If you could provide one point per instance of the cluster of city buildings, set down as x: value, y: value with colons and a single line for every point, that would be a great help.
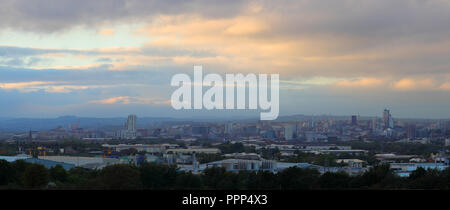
x: 314, y: 135
x: 186, y: 158
x: 315, y: 129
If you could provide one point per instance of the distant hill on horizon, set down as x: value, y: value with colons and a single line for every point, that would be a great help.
x: 38, y: 124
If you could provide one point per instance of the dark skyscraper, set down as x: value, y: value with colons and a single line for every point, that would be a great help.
x: 30, y: 136
x: 388, y: 122
x: 411, y: 131
x: 354, y: 120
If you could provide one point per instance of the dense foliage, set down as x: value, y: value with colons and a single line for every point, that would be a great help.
x: 23, y: 175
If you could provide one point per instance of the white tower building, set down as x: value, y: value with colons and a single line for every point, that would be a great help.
x: 131, y: 123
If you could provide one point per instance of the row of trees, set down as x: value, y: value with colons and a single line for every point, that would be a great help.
x: 23, y: 175
x: 399, y: 148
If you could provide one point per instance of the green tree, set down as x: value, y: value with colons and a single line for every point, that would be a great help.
x: 263, y: 180
x: 36, y: 176
x: 379, y: 177
x: 331, y: 180
x: 120, y: 176
x: 418, y: 173
x: 19, y: 167
x: 187, y: 180
x: 156, y: 176
x: 217, y: 178
x: 426, y: 179
x: 325, y: 160
x: 445, y: 177
x: 58, y: 174
x: 6, y: 172
x: 206, y: 158
x: 299, y: 178
x: 227, y: 148
x: 83, y: 178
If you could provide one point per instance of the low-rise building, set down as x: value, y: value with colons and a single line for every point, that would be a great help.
x: 150, y: 148
x: 196, y: 150
x: 29, y: 159
x: 235, y: 165
x: 355, y: 163
x: 85, y: 162
x: 405, y: 169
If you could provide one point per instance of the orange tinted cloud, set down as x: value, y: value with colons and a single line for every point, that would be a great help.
x: 364, y: 82
x: 23, y: 85
x: 233, y: 43
x: 68, y: 88
x: 70, y: 67
x: 445, y: 86
x: 47, y: 86
x: 403, y: 84
x: 246, y: 26
x: 107, y: 32
x: 130, y: 100
x: 114, y: 100
x: 414, y: 84
x: 54, y: 55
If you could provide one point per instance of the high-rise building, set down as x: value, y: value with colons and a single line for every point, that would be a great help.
x: 131, y: 123
x: 311, y: 123
x: 229, y: 128
x: 130, y: 128
x: 200, y: 131
x: 289, y: 132
x: 354, y: 120
x: 387, y: 119
x: 30, y: 136
x: 446, y: 126
x: 411, y: 131
x: 250, y: 130
x: 374, y: 124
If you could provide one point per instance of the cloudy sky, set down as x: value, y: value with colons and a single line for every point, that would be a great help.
x: 116, y: 57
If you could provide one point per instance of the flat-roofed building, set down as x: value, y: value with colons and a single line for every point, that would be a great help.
x: 85, y: 162
x: 235, y: 165
x: 150, y: 148
x: 405, y: 169
x: 196, y: 150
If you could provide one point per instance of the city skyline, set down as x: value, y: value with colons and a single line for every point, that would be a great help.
x: 244, y: 115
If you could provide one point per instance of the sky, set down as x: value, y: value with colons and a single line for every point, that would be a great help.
x: 109, y: 58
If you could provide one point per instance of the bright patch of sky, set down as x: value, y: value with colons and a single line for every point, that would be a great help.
x: 78, y: 38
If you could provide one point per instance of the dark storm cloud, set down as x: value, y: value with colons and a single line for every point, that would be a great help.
x: 8, y: 51
x: 26, y: 51
x: 55, y: 15
x: 366, y: 22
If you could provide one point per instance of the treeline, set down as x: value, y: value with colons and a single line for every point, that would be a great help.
x: 23, y: 175
x: 375, y: 147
